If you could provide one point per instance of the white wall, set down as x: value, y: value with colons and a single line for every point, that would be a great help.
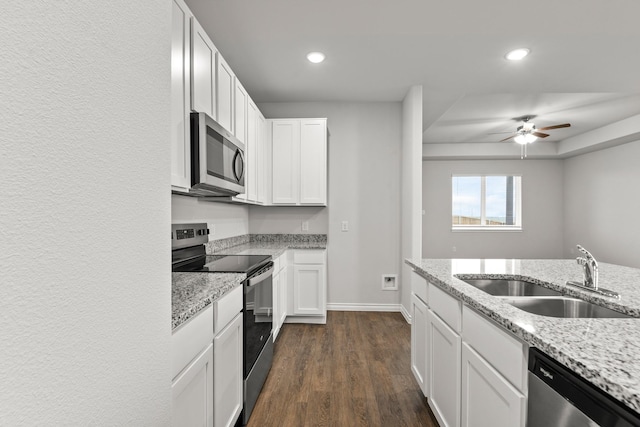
x: 542, y: 211
x: 224, y: 219
x: 364, y: 189
x: 288, y: 220
x: 602, y: 204
x: 411, y: 189
x: 85, y: 300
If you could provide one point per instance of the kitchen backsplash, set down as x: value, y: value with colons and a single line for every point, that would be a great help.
x: 222, y: 244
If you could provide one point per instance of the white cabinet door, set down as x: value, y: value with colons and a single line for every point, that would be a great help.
x: 203, y: 71
x: 309, y: 289
x: 488, y: 400
x: 313, y: 162
x: 251, y: 179
x: 261, y: 148
x: 192, y: 393
x: 419, y: 343
x: 276, y: 305
x: 286, y: 161
x: 225, y: 82
x: 284, y: 291
x: 180, y: 96
x: 228, y: 373
x: 444, y: 379
x: 240, y: 115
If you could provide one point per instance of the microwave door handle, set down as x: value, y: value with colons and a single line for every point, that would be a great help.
x: 235, y: 165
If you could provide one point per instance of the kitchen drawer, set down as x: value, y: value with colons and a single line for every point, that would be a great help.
x: 448, y: 308
x: 419, y: 286
x: 190, y: 339
x: 308, y: 257
x: 504, y: 352
x: 226, y: 308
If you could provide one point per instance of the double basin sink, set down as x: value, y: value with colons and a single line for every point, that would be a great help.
x: 540, y: 300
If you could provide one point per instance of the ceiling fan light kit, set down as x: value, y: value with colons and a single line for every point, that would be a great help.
x: 527, y: 133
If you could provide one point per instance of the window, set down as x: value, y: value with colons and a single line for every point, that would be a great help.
x: 487, y: 202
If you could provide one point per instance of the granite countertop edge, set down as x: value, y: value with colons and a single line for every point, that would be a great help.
x: 602, y: 351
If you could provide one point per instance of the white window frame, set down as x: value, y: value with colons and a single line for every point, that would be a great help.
x: 483, y: 191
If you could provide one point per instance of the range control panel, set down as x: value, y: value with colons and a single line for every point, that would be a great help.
x: 185, y: 235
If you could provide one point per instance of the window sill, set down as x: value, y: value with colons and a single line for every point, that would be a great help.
x: 485, y: 229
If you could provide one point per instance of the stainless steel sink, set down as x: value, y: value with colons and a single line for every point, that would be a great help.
x: 564, y: 307
x: 511, y: 288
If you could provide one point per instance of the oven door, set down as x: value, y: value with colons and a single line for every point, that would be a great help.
x: 258, y: 315
x: 217, y: 165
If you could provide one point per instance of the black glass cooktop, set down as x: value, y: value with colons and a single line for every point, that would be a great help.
x: 224, y: 264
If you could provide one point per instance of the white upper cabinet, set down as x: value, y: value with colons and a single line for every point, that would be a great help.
x: 180, y: 96
x: 251, y: 181
x: 299, y: 162
x: 285, y: 148
x: 203, y: 69
x: 313, y: 162
x: 240, y: 116
x: 225, y: 85
x: 262, y: 149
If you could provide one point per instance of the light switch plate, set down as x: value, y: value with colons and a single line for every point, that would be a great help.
x: 345, y: 226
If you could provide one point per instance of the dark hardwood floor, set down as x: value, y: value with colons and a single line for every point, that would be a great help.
x: 353, y: 371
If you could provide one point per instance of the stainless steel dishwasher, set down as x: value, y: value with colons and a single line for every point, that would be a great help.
x: 560, y: 398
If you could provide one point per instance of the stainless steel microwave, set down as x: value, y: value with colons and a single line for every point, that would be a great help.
x: 217, y: 159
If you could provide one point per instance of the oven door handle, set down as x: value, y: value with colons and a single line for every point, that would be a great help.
x: 259, y: 278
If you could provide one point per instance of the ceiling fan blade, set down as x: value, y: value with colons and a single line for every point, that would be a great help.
x: 506, y: 139
x: 566, y: 125
x: 497, y: 133
x: 540, y: 134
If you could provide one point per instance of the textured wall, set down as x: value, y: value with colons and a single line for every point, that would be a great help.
x: 364, y: 189
x: 602, y: 204
x: 85, y: 211
x: 542, y: 211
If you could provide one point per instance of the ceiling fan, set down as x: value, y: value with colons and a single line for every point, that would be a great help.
x: 527, y: 133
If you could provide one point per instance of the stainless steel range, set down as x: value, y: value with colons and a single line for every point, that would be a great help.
x: 189, y: 255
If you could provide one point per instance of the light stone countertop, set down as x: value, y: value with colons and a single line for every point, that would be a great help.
x: 605, y: 352
x: 192, y: 292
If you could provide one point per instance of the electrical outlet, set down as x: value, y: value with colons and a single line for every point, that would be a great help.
x: 305, y: 225
x: 345, y: 226
x: 454, y: 249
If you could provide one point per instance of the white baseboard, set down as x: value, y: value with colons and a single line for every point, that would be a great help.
x: 405, y: 313
x: 363, y: 307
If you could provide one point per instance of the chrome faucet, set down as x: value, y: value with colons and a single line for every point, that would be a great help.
x: 590, y: 273
x: 590, y: 268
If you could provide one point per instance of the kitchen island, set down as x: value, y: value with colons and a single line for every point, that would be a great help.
x: 602, y: 351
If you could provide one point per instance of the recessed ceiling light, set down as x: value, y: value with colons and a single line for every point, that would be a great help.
x: 315, y: 57
x: 517, y: 55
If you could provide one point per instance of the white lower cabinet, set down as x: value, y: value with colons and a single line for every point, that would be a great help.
x: 444, y: 372
x: 420, y: 342
x: 277, y: 291
x: 192, y: 393
x: 488, y: 400
x: 280, y: 291
x: 472, y: 371
x: 307, y: 287
x: 308, y: 290
x: 207, y: 365
x: 227, y: 374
